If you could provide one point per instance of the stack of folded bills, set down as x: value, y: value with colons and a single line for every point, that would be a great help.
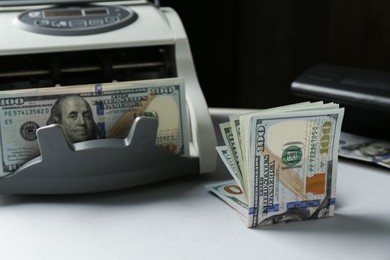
x: 283, y: 161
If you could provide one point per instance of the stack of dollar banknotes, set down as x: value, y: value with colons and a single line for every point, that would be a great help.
x: 283, y: 162
x: 89, y: 112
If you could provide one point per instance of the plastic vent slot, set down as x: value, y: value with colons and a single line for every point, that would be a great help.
x: 86, y: 67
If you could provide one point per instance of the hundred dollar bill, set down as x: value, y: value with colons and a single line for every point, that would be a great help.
x: 236, y: 130
x: 227, y: 159
x: 87, y: 112
x: 365, y: 149
x: 232, y: 149
x: 303, y: 106
x: 231, y: 193
x: 292, y: 164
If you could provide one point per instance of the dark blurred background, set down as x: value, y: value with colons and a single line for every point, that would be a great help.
x: 247, y: 53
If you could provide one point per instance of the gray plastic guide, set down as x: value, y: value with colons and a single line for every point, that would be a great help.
x: 97, y: 165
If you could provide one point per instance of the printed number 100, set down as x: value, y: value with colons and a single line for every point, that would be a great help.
x: 325, y: 139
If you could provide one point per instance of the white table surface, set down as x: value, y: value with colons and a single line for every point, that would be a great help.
x: 180, y: 219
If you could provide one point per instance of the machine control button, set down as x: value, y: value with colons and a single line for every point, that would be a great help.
x: 59, y: 24
x: 112, y: 19
x: 44, y: 23
x: 96, y: 22
x: 78, y: 23
x: 35, y: 14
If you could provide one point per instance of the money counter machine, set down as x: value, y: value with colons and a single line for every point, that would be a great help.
x: 45, y: 43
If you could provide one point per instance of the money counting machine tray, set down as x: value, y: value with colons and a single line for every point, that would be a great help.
x: 97, y: 165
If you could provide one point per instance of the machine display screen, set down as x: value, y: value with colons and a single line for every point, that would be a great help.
x: 72, y: 13
x: 44, y: 2
x: 62, y: 13
x: 95, y: 11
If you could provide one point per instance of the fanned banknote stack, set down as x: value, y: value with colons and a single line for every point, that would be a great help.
x: 283, y: 162
x: 366, y: 149
x: 88, y: 112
